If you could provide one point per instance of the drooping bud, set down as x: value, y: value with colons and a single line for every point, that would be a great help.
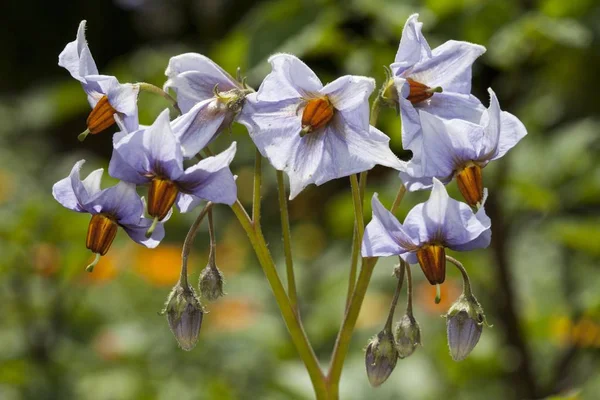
x: 101, y: 117
x: 184, y: 315
x: 380, y: 358
x: 211, y: 283
x: 464, y: 323
x: 407, y: 335
x: 470, y: 184
x: 101, y: 233
x: 432, y: 259
x: 317, y: 113
x: 420, y: 92
x: 161, y: 197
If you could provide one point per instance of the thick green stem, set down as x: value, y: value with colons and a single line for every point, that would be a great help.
x: 409, y: 290
x: 287, y: 242
x: 292, y: 322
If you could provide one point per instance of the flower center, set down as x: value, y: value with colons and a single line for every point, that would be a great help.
x: 101, y: 117
x: 420, y: 92
x: 101, y: 233
x: 470, y: 184
x: 317, y: 113
x: 432, y: 259
x: 161, y: 197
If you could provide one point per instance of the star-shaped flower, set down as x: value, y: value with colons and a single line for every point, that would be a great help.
x: 106, y: 95
x: 110, y: 208
x: 153, y: 155
x: 428, y: 229
x: 458, y: 148
x: 437, y: 81
x: 314, y: 133
x: 208, y: 96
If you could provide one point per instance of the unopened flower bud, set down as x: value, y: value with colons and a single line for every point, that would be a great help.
x: 211, y: 283
x: 184, y: 314
x: 408, y: 336
x: 464, y: 323
x: 381, y: 358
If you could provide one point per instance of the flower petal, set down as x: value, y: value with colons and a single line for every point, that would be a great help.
x: 154, y: 151
x: 77, y: 58
x: 137, y: 232
x: 449, y: 66
x: 187, y: 202
x: 198, y: 127
x: 349, y: 92
x: 121, y: 201
x: 193, y: 77
x: 73, y: 193
x: 274, y: 127
x: 384, y: 235
x: 450, y: 105
x: 512, y: 131
x: 306, y: 162
x: 211, y: 179
x: 290, y: 78
x: 413, y: 47
x: 478, y: 228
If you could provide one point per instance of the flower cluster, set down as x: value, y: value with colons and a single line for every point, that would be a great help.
x: 314, y: 133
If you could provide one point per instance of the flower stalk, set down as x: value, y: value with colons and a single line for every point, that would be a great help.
x: 150, y: 88
x: 287, y: 245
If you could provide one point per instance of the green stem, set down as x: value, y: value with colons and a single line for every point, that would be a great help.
x: 355, y: 242
x: 150, y: 88
x: 256, y: 194
x: 212, y: 256
x: 375, y: 108
x: 390, y: 318
x: 287, y: 245
x: 409, y: 290
x: 466, y: 281
x: 358, y: 209
x: 290, y: 318
x: 189, y: 240
x: 398, y: 199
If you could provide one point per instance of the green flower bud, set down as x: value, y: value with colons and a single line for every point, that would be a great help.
x: 184, y: 315
x: 381, y: 357
x: 211, y: 283
x: 464, y: 323
x: 408, y: 336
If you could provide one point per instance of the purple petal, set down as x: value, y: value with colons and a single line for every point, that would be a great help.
x: 413, y: 47
x: 384, y: 235
x: 77, y: 58
x: 450, y: 105
x: 196, y: 128
x: 449, y: 66
x: 479, y: 231
x: 348, y: 149
x: 512, y: 131
x: 121, y: 201
x: 306, y: 160
x: 211, y: 179
x: 73, y: 193
x: 154, y: 151
x: 274, y: 127
x: 187, y: 202
x: 290, y: 78
x: 193, y: 78
x: 349, y: 92
x: 137, y: 232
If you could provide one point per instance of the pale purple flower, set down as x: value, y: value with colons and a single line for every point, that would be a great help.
x: 208, y: 96
x: 120, y: 203
x: 78, y: 60
x: 447, y: 68
x: 314, y: 133
x: 153, y: 155
x: 441, y: 222
x: 449, y: 145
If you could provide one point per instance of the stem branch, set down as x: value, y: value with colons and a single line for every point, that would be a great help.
x: 287, y: 245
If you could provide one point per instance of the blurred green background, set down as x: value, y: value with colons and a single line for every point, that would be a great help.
x: 67, y: 334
